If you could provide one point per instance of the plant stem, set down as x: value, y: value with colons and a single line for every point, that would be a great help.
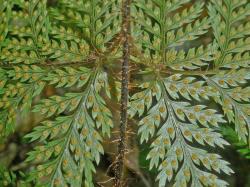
x: 119, y: 168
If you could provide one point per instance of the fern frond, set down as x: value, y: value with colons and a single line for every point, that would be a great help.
x: 240, y: 31
x: 67, y: 77
x: 232, y: 98
x: 20, y: 95
x: 38, y: 20
x: 57, y: 105
x: 237, y: 61
x: 96, y: 20
x: 189, y: 88
x: 226, y: 16
x: 192, y: 59
x: 66, y: 34
x: 17, y: 96
x: 35, y: 29
x: 3, y: 79
x: 20, y: 23
x: 185, y: 17
x: 75, y: 45
x: 20, y: 44
x: 5, y: 11
x: 26, y: 73
x: 72, y: 141
x: 191, y: 32
x: 64, y: 52
x: 163, y: 29
x: 22, y: 56
x: 7, y: 177
x: 33, y: 22
x: 175, y: 125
